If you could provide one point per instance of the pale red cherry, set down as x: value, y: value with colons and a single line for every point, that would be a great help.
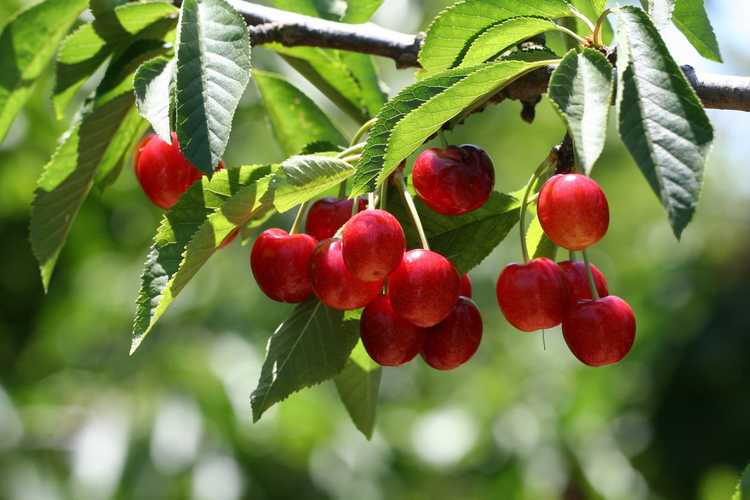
x: 600, y: 332
x: 327, y: 215
x: 533, y: 296
x: 334, y: 284
x: 280, y: 263
x: 453, y: 341
x: 389, y: 339
x: 372, y: 244
x: 578, y: 280
x: 573, y: 211
x: 424, y: 287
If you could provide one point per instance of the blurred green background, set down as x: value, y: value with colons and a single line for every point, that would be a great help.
x: 80, y: 419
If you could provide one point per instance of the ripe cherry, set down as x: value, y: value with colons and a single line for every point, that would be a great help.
x: 424, y: 287
x: 453, y: 341
x: 534, y: 295
x: 465, y: 289
x: 600, y: 332
x: 455, y: 180
x: 573, y: 211
x: 280, y: 262
x: 389, y: 339
x: 372, y: 244
x: 327, y: 215
x: 578, y: 280
x: 163, y: 171
x: 334, y: 284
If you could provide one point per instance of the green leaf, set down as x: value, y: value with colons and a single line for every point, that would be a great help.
x: 661, y: 120
x: 599, y: 5
x: 360, y: 11
x: 68, y: 177
x: 152, y: 85
x: 27, y: 43
x: 659, y: 10
x: 213, y: 69
x: 504, y: 35
x: 581, y: 89
x: 297, y: 121
x: 131, y: 129
x: 312, y: 346
x: 419, y: 111
x: 538, y: 243
x: 455, y: 27
x: 690, y: 17
x: 358, y: 385
x: 743, y: 487
x: 305, y: 177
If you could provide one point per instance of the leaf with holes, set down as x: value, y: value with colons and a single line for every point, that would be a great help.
x: 303, y: 178
x: 312, y: 346
x: 152, y: 83
x: 453, y: 30
x: 358, y: 386
x: 690, y: 17
x: 581, y: 89
x: 419, y: 111
x: 661, y: 120
x: 213, y: 69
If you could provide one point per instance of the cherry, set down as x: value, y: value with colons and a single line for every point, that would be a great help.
x: 332, y: 282
x: 455, y: 180
x: 465, y: 289
x: 573, y: 211
x: 600, y: 332
x: 453, y: 341
x: 163, y: 171
x: 389, y: 339
x: 372, y: 244
x: 533, y: 296
x: 578, y: 280
x: 327, y: 215
x: 424, y: 287
x: 280, y: 262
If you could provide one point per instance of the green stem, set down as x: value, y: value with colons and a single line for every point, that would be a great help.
x: 299, y: 218
x: 571, y: 256
x: 384, y: 193
x: 597, y: 36
x: 359, y: 134
x: 412, y: 209
x: 590, y: 276
x: 583, y: 18
x: 353, y: 150
x: 342, y: 190
x: 572, y: 33
x: 443, y: 140
x: 351, y: 158
x: 524, y: 205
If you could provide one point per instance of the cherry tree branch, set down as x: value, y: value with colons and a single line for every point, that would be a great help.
x: 269, y: 25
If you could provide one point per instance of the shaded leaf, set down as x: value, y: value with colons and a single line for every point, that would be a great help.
x: 661, y: 120
x: 358, y: 386
x: 303, y: 178
x: 152, y: 85
x: 743, y: 487
x: 690, y: 17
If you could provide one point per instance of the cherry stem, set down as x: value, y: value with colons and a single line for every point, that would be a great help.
x: 590, y: 276
x: 412, y: 209
x: 342, y: 190
x: 571, y: 33
x: 299, y: 218
x: 524, y: 205
x: 544, y: 340
x: 583, y: 18
x: 383, y: 194
x: 597, y: 36
x: 571, y: 256
x: 443, y: 140
x: 365, y: 128
x: 353, y: 150
x: 371, y: 200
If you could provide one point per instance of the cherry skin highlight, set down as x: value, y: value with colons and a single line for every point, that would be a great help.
x: 573, y: 211
x: 453, y: 341
x: 600, y: 332
x: 455, y: 180
x: 372, y: 244
x: 465, y: 289
x: 328, y: 214
x: 533, y: 296
x: 332, y: 282
x: 163, y: 171
x: 280, y: 262
x: 424, y: 287
x: 389, y: 339
x: 578, y: 281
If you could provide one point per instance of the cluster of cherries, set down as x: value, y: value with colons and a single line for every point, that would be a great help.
x: 414, y: 301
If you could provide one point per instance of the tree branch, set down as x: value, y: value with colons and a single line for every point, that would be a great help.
x: 270, y: 25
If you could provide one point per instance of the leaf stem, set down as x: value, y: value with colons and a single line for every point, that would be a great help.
x: 524, y: 204
x: 352, y: 150
x: 590, y: 276
x: 359, y: 134
x: 583, y: 18
x: 299, y: 218
x: 351, y: 158
x: 412, y: 209
x: 572, y: 33
x: 597, y: 36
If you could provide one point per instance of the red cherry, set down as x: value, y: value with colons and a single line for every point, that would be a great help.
x: 465, y: 289
x: 534, y: 295
x: 424, y: 287
x: 389, y: 339
x: 573, y: 211
x: 578, y: 280
x: 373, y: 244
x: 327, y: 215
x: 600, y: 332
x: 280, y: 263
x: 455, y: 180
x: 163, y: 171
x: 332, y: 282
x: 453, y: 341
